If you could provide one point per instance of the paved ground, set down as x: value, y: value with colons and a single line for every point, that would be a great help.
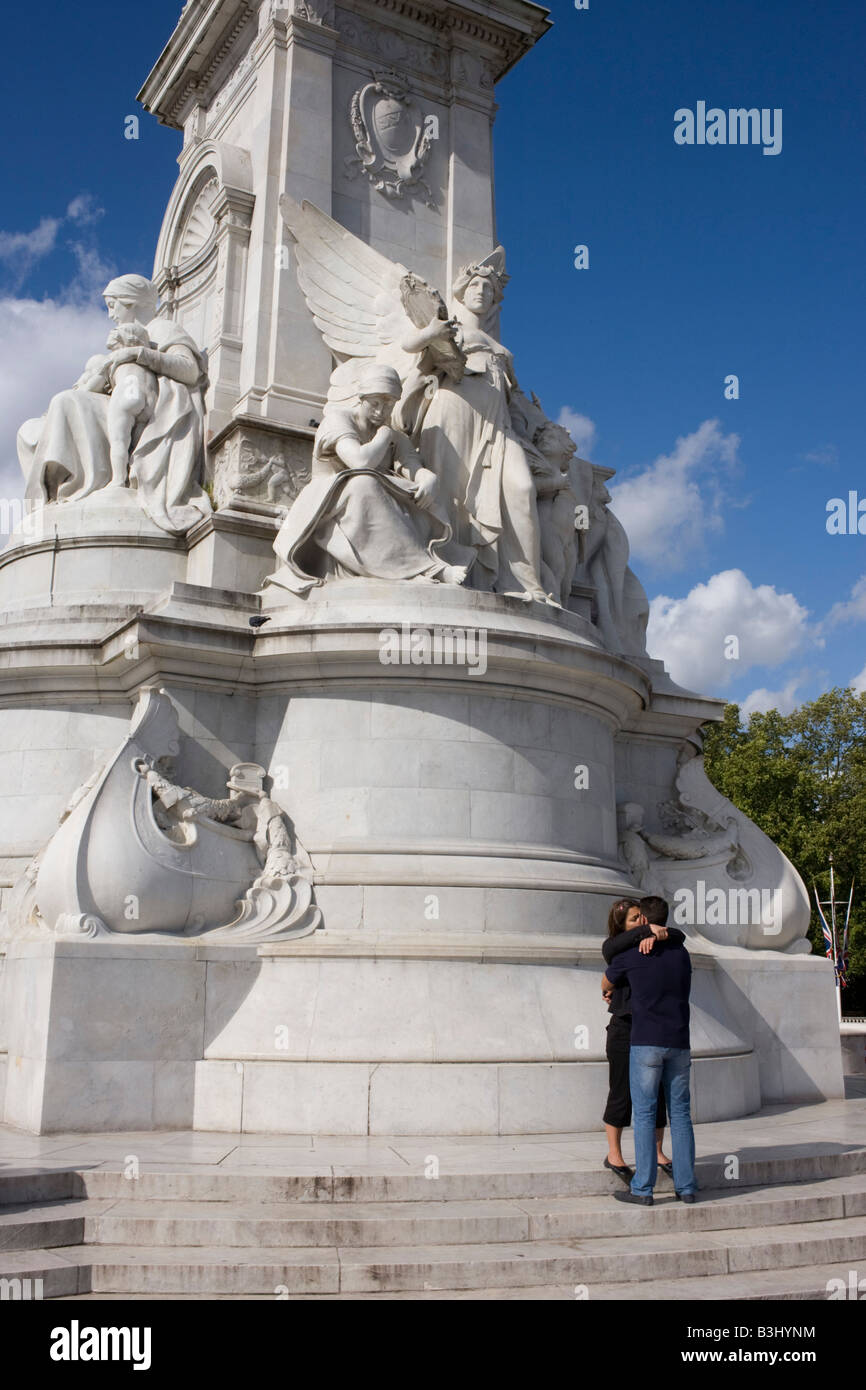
x: 782, y: 1131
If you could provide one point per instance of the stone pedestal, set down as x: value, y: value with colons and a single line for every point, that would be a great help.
x: 785, y: 1007
x: 349, y: 1034
x: 80, y: 554
x: 340, y: 1036
x: 464, y: 875
x: 102, y: 1038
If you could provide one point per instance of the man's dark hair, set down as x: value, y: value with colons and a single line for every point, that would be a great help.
x: 655, y: 910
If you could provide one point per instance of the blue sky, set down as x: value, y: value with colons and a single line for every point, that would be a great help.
x: 704, y: 261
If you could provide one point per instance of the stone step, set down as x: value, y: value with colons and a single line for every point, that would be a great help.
x: 41, y: 1274
x: 46, y: 1224
x: 604, y: 1260
x: 264, y: 1225
x: 179, y: 1182
x: 48, y: 1185
x: 622, y: 1260
x: 183, y: 1231
x: 760, y: 1285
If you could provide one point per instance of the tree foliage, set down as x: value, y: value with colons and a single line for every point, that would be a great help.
x: 801, y: 777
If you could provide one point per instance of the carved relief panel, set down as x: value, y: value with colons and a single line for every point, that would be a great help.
x: 259, y: 470
x: 393, y: 138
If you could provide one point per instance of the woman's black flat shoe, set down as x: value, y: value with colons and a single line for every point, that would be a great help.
x: 667, y: 1168
x: 625, y: 1173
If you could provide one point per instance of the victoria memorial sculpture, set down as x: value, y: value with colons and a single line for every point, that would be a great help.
x: 226, y: 817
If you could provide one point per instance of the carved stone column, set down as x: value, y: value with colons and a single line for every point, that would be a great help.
x: 378, y: 111
x: 284, y: 367
x: 233, y: 212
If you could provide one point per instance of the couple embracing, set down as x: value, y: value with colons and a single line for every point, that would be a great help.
x: 647, y: 984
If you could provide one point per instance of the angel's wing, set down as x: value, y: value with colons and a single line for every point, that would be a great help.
x: 353, y: 293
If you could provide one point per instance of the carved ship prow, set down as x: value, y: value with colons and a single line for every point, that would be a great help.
x: 111, y: 865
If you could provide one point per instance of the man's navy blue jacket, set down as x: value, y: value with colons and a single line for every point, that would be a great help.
x: 660, y: 984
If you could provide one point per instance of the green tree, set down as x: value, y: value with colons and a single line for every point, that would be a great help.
x: 801, y: 777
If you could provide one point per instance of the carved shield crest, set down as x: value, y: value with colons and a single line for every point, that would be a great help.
x: 392, y: 137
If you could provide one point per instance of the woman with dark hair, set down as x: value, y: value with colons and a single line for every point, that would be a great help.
x: 627, y: 927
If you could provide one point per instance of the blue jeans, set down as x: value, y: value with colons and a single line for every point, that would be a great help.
x: 649, y: 1068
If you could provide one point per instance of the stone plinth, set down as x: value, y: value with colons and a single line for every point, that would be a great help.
x: 103, y: 550
x: 338, y: 1036
x: 358, y: 1036
x: 439, y: 775
x: 463, y: 870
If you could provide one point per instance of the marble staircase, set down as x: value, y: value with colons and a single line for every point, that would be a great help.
x: 788, y: 1225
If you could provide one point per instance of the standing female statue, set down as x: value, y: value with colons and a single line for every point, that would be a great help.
x: 457, y: 380
x: 466, y: 437
x: 134, y: 418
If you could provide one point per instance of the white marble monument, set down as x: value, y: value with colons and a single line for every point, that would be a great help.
x: 328, y: 733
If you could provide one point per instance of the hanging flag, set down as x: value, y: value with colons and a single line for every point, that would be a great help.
x: 825, y: 928
x: 836, y: 946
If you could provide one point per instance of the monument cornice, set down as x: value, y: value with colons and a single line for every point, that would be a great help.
x: 204, y: 36
x: 208, y: 30
x: 202, y: 638
x: 507, y: 26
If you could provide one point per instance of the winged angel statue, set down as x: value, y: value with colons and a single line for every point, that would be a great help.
x: 418, y: 467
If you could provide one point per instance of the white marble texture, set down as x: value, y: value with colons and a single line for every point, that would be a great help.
x: 78, y: 552
x: 786, y: 1007
x: 104, y: 1034
x: 773, y: 1140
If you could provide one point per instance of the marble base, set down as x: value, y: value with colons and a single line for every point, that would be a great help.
x: 79, y: 553
x: 786, y: 1007
x: 413, y: 1098
x: 335, y: 1037
x: 461, y: 826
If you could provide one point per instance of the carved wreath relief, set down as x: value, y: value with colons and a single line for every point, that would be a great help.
x: 393, y: 138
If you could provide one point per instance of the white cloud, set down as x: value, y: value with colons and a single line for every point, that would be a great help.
x: 84, y: 210
x: 826, y: 456
x: 858, y: 684
x: 91, y: 278
x: 20, y: 251
x: 784, y: 700
x: 669, y: 508
x: 45, y: 343
x: 43, y: 347
x: 691, y: 634
x: 580, y: 427
x: 853, y: 610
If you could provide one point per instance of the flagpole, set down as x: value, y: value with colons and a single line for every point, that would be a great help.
x: 845, y: 934
x: 837, y: 979
x: 835, y: 938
